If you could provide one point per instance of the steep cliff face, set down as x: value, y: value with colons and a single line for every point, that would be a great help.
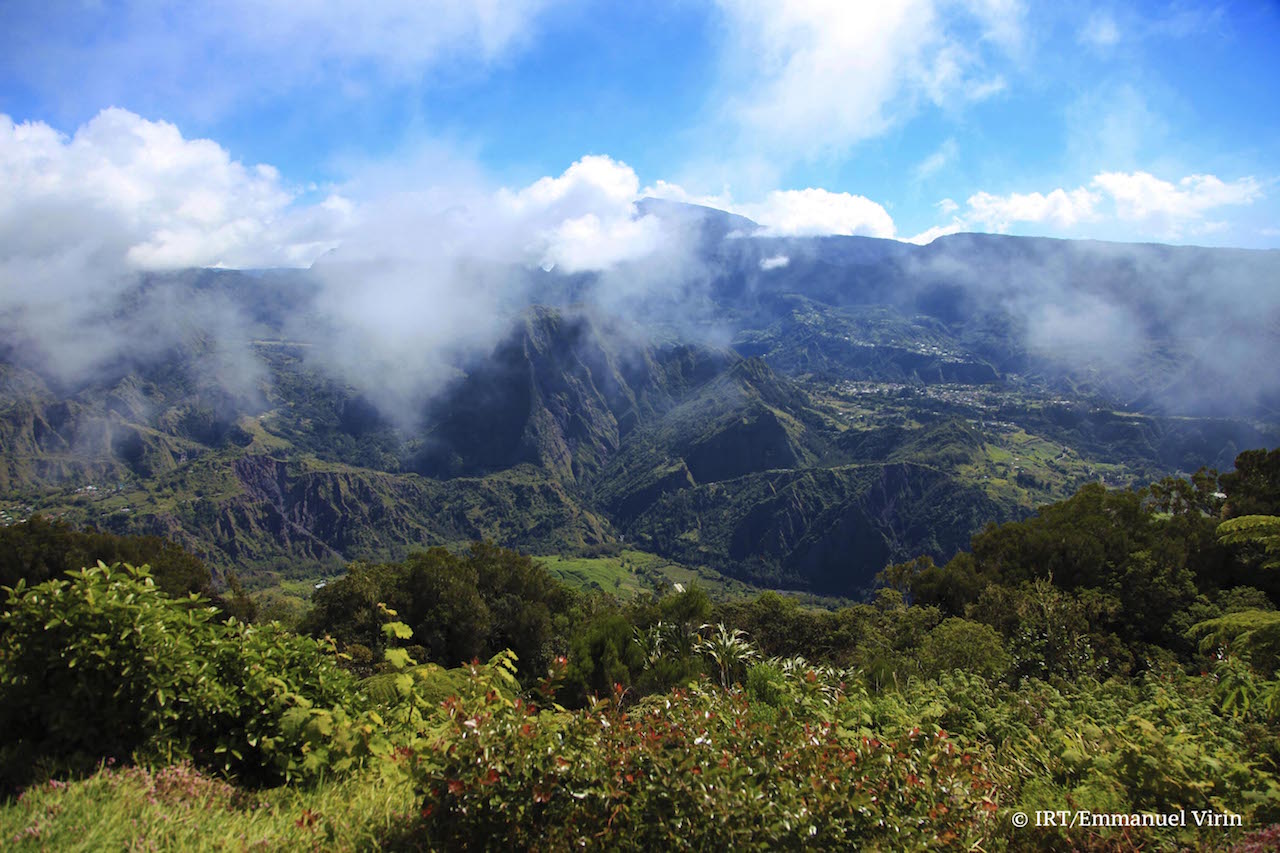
x: 105, y: 430
x: 46, y: 442
x: 559, y: 393
x: 827, y: 529
x: 871, y: 401
x: 759, y: 440
x: 258, y: 511
x: 745, y: 419
x: 548, y: 396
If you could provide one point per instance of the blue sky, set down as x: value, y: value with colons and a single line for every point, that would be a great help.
x: 242, y: 133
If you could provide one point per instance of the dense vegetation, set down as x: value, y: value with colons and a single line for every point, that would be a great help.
x: 1117, y: 653
x: 844, y: 412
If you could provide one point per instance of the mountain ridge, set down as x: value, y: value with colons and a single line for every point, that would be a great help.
x: 864, y: 401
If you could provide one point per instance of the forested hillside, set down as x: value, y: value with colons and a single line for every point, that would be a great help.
x: 796, y: 424
x: 1116, y: 654
x: 1013, y: 560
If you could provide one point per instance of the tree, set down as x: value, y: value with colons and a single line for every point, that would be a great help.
x: 965, y: 645
x: 901, y: 576
x: 603, y: 654
x: 1261, y: 532
x: 41, y: 549
x: 1254, y: 487
x: 1255, y: 633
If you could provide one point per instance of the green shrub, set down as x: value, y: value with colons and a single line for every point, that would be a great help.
x: 105, y: 665
x: 692, y: 769
x: 964, y: 645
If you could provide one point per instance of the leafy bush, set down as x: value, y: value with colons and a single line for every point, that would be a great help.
x: 459, y: 606
x: 964, y: 645
x: 105, y: 665
x: 42, y: 549
x: 692, y: 769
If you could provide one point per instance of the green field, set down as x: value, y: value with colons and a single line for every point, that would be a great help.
x: 634, y: 572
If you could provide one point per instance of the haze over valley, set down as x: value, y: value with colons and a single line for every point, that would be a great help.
x: 789, y: 411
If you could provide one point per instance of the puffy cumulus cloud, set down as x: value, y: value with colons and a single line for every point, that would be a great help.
x: 795, y: 213
x: 1140, y: 196
x: 82, y: 216
x: 135, y: 194
x: 585, y: 219
x: 432, y: 267
x: 593, y: 181
x: 1061, y: 208
x: 816, y: 76
x: 811, y: 212
x: 1138, y: 200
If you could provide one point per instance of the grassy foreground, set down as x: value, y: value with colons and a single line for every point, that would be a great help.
x: 180, y: 808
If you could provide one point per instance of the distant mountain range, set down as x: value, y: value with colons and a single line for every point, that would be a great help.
x: 794, y: 412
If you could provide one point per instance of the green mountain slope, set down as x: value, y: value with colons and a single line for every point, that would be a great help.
x: 805, y: 423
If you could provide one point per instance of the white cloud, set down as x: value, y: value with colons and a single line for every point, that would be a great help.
x: 82, y: 216
x: 810, y: 212
x: 434, y: 266
x: 932, y: 164
x: 590, y: 243
x: 675, y: 192
x: 947, y: 206
x: 585, y: 219
x: 774, y: 262
x: 810, y: 77
x: 1061, y: 208
x: 930, y: 234
x: 795, y: 213
x: 135, y: 194
x: 423, y: 260
x: 1144, y: 204
x: 1140, y: 196
x: 594, y: 181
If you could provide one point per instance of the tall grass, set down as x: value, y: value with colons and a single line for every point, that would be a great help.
x: 179, y: 808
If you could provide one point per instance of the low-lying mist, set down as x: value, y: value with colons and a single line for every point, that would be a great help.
x: 404, y: 281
